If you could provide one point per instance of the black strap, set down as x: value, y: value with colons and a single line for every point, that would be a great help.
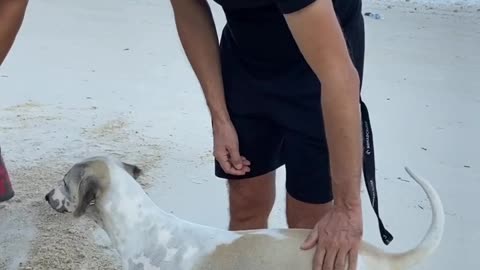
x: 369, y: 171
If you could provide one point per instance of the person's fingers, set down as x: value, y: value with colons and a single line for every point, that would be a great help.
x: 353, y: 259
x: 246, y: 169
x: 226, y: 166
x: 235, y: 157
x: 245, y: 161
x: 318, y: 258
x: 341, y: 260
x: 329, y: 261
x: 311, y: 240
x: 246, y: 165
x: 224, y: 161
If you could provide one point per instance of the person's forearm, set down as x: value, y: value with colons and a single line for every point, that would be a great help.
x: 198, y: 36
x: 11, y: 18
x: 340, y: 105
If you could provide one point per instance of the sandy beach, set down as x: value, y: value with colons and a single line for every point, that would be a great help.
x: 109, y: 77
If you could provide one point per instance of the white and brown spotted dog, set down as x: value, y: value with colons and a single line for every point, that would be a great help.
x: 147, y: 237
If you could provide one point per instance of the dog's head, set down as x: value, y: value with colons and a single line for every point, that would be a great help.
x: 84, y: 183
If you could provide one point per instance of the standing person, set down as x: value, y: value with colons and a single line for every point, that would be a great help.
x: 283, y: 88
x: 12, y: 13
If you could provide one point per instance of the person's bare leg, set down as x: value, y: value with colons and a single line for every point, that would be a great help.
x: 12, y: 13
x: 304, y: 215
x: 251, y: 201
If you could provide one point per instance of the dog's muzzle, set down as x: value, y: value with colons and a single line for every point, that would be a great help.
x: 56, y: 204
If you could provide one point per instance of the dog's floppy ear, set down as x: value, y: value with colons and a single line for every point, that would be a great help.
x: 133, y: 170
x: 87, y: 192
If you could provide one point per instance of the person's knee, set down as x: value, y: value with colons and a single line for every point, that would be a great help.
x: 246, y: 218
x: 303, y: 215
x: 251, y: 202
x: 250, y: 211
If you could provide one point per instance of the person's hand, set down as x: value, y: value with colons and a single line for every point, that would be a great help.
x: 338, y: 237
x: 226, y: 149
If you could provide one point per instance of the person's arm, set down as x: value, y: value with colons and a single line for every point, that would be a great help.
x: 320, y: 39
x: 198, y: 35
x: 199, y: 39
x: 11, y: 18
x: 318, y: 34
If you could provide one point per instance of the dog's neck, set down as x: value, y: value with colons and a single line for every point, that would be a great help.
x: 126, y: 212
x: 139, y: 229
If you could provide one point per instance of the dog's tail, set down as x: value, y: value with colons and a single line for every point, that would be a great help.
x: 434, y: 234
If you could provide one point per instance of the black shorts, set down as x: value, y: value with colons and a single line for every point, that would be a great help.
x: 277, y: 115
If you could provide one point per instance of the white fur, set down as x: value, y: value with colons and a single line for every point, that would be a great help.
x: 144, y: 234
x: 128, y: 214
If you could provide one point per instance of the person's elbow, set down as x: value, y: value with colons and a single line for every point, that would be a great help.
x: 344, y: 78
x: 351, y: 78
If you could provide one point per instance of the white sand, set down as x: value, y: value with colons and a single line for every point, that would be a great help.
x: 92, y: 77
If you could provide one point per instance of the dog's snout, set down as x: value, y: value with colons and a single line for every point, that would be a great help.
x: 57, y: 201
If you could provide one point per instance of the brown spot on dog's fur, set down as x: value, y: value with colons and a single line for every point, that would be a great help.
x: 261, y: 251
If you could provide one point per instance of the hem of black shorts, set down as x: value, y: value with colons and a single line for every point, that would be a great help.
x: 309, y: 200
x: 250, y: 175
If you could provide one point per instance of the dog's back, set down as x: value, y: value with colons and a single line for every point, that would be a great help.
x: 280, y: 248
x: 261, y: 249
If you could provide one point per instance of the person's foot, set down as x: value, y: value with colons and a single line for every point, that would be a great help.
x: 6, y: 189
